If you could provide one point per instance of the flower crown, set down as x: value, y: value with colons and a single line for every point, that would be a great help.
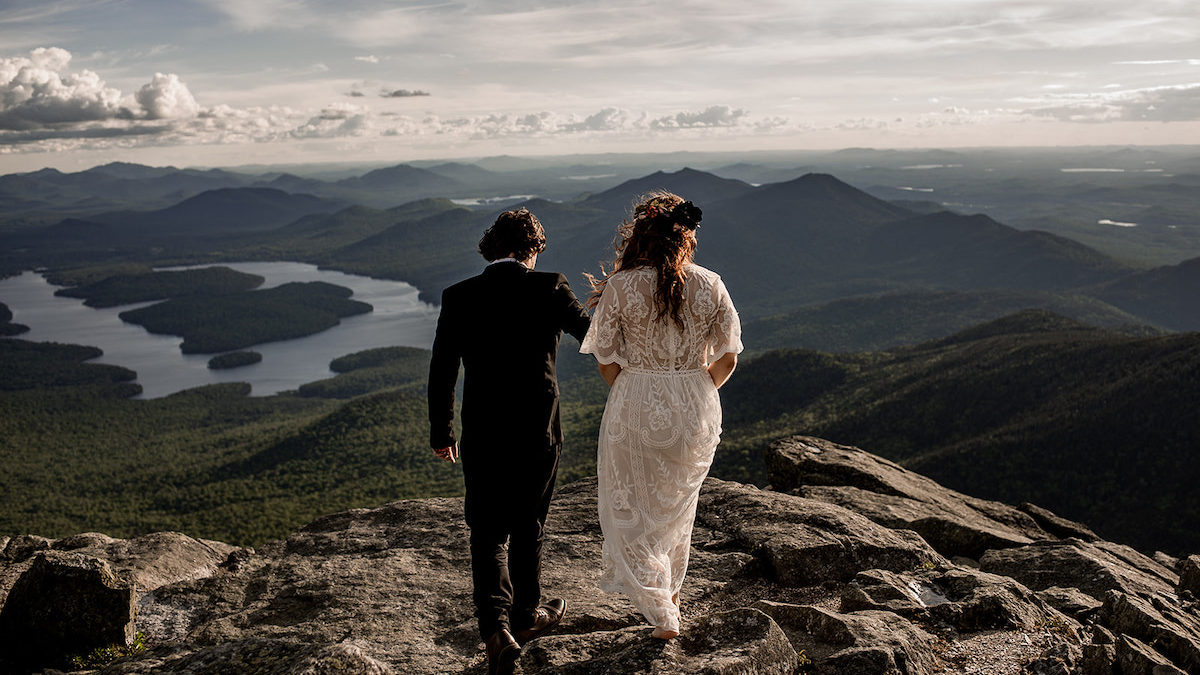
x: 662, y: 216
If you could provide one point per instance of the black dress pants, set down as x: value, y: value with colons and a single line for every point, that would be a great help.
x: 506, y: 505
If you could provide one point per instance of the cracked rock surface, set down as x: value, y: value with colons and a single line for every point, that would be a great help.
x: 849, y: 565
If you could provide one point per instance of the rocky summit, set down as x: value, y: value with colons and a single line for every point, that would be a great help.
x: 848, y: 565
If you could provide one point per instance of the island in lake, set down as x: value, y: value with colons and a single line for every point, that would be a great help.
x: 234, y: 360
x: 210, y: 324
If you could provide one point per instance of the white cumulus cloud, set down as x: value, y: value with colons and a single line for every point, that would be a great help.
x: 35, y: 91
x: 713, y: 116
x: 166, y: 97
x: 39, y: 92
x: 338, y: 119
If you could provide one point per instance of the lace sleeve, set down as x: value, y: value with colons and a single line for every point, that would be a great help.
x: 605, y: 339
x: 725, y: 332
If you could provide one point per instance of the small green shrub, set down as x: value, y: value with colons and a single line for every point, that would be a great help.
x: 102, y: 656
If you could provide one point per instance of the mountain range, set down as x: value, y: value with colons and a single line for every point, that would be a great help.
x: 984, y: 397
x: 781, y: 247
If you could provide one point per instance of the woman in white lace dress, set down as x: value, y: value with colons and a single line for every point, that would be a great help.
x: 666, y: 335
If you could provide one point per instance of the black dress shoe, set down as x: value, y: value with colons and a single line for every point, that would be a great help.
x: 544, y: 618
x: 502, y: 652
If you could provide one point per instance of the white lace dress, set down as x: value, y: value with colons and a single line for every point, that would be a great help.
x: 660, y: 429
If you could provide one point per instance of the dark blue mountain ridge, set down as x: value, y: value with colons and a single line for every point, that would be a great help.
x: 289, y: 182
x: 131, y: 171
x: 465, y: 173
x: 402, y: 176
x: 224, y: 210
x: 698, y: 186
x: 1169, y: 295
x: 975, y: 251
x: 816, y: 239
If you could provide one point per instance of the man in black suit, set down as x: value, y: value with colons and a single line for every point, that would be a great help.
x: 504, y: 326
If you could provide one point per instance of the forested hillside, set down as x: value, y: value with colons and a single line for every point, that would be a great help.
x: 1031, y: 407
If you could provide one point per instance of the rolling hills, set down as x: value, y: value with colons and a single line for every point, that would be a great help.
x: 1097, y: 424
x: 1091, y: 423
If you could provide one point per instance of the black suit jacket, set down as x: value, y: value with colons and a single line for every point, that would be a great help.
x: 504, y: 327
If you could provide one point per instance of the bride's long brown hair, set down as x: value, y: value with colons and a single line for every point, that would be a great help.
x: 661, y: 234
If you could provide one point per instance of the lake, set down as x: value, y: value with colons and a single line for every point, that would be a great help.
x: 399, y: 318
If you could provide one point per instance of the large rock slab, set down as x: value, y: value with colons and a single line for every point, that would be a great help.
x: 804, y: 541
x: 396, y: 580
x: 853, y: 587
x: 1092, y: 567
x: 255, y: 655
x: 966, y: 599
x: 154, y: 559
x: 1057, y: 525
x: 148, y: 561
x: 738, y: 641
x: 1158, y: 621
x: 23, y: 546
x: 1070, y: 601
x: 953, y: 523
x: 64, y: 604
x: 1134, y: 657
x: 856, y: 643
x: 1189, y: 575
x: 949, y: 533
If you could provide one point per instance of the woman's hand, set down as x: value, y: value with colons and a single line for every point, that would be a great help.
x: 722, y: 368
x: 610, y: 371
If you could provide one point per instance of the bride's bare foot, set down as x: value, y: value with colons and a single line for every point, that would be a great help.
x: 675, y: 599
x: 663, y: 633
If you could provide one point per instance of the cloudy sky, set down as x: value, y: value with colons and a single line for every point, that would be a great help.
x: 226, y: 82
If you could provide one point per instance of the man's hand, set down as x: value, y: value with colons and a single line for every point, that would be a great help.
x: 450, y: 453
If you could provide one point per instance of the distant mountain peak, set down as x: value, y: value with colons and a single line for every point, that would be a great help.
x: 689, y: 183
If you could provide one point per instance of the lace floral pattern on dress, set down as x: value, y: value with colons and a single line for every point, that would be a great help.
x: 660, y: 428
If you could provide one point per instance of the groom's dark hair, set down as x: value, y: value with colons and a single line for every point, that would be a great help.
x: 517, y: 232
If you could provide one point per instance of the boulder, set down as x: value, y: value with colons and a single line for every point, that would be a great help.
x: 967, y: 599
x: 1098, y: 659
x: 803, y: 541
x: 1070, y: 601
x: 149, y: 561
x: 1062, y: 658
x: 84, y: 540
x: 865, y: 642
x: 1167, y: 560
x: 65, y: 604
x: 957, y: 524
x: 1134, y: 657
x: 889, y: 591
x: 1158, y: 621
x: 22, y: 547
x: 949, y: 533
x: 1189, y: 575
x: 737, y: 641
x: 1057, y: 525
x: 1092, y: 567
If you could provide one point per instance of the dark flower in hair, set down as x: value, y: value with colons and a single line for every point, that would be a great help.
x: 688, y: 215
